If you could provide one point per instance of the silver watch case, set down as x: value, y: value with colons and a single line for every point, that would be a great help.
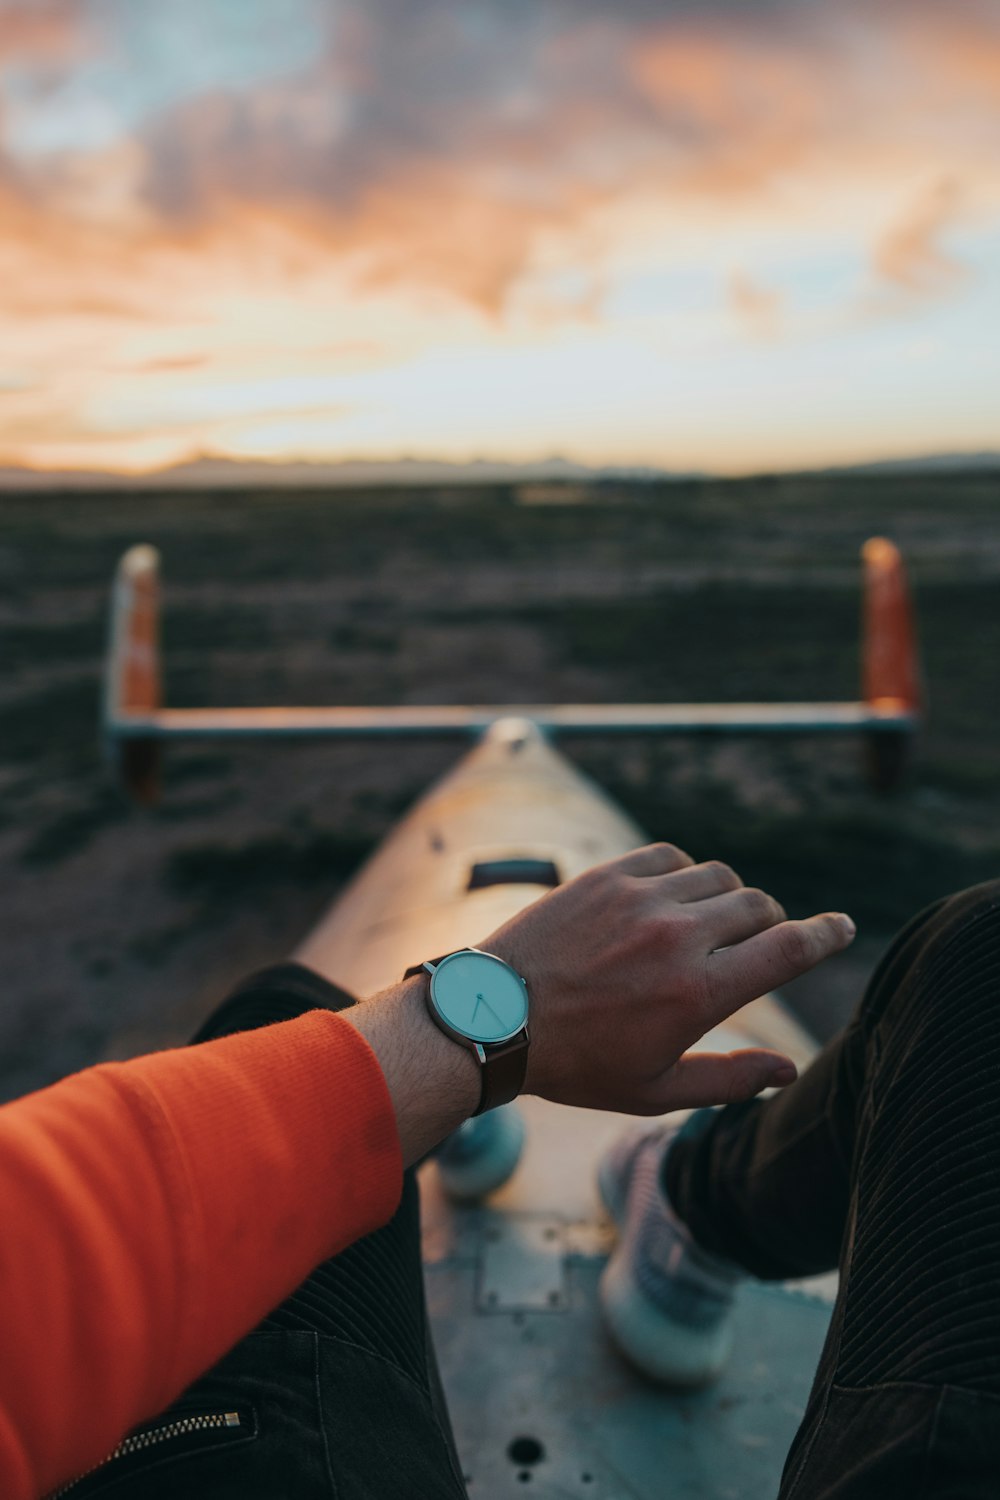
x: 494, y: 1013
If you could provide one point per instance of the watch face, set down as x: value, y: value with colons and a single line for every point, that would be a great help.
x: 478, y: 996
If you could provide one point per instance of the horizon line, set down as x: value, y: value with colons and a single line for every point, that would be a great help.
x: 514, y: 469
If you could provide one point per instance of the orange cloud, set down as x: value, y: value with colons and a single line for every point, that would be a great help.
x: 417, y: 154
x: 909, y: 253
x: 40, y: 30
x: 953, y: 52
x: 424, y: 179
x: 737, y: 108
x: 428, y: 166
x: 757, y: 308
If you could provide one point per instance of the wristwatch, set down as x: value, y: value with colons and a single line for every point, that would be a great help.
x: 482, y: 1003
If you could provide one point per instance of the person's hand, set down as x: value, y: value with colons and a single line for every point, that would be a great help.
x: 631, y: 963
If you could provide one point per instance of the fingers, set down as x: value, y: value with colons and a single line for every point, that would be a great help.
x: 652, y: 859
x: 772, y: 958
x: 700, y: 1078
x: 697, y: 882
x: 737, y: 915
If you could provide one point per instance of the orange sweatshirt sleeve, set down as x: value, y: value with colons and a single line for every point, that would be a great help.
x: 153, y: 1211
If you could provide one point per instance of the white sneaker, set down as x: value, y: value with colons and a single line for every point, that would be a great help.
x: 667, y: 1304
x: 480, y: 1155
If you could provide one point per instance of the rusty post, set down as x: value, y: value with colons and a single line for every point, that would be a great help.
x: 890, y: 669
x: 133, y: 683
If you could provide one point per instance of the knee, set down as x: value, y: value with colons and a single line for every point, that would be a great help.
x: 936, y: 962
x: 959, y: 948
x: 960, y: 912
x: 963, y: 960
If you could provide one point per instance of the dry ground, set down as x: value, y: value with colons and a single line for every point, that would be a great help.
x: 118, y: 928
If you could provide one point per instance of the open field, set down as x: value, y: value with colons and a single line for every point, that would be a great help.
x: 118, y: 929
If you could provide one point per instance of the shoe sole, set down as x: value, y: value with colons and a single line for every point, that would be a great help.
x: 658, y: 1347
x: 607, y: 1190
x: 473, y: 1180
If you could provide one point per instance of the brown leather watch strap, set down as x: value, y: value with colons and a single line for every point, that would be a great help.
x: 506, y: 1063
x: 421, y: 969
x: 503, y: 1073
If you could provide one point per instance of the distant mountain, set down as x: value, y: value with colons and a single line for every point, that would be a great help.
x: 226, y: 473
x: 229, y: 473
x: 928, y: 462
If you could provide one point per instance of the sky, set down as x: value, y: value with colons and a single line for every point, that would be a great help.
x: 724, y: 235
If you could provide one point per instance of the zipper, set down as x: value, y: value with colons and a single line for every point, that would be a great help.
x: 149, y: 1437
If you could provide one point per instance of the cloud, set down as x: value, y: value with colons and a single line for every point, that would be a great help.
x: 169, y: 362
x: 441, y: 143
x: 426, y: 171
x: 40, y: 31
x: 444, y: 142
x: 531, y: 106
x: 909, y: 254
x: 757, y: 308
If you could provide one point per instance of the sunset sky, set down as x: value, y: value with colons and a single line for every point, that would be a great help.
x: 713, y: 234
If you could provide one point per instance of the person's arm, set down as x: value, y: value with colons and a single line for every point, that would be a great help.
x: 627, y: 967
x: 155, y: 1210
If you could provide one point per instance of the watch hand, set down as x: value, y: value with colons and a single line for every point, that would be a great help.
x: 481, y: 1000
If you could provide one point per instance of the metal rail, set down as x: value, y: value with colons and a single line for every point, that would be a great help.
x: 136, y: 724
x: 474, y: 720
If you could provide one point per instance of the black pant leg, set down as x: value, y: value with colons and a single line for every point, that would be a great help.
x: 278, y: 993
x: 906, y: 1400
x: 767, y: 1183
x: 885, y: 1158
x: 337, y: 1390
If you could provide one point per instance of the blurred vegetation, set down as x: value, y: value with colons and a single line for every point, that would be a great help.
x: 882, y: 861
x: 672, y: 592
x: 230, y: 872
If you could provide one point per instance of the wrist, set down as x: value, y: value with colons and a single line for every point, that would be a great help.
x: 481, y: 1002
x: 434, y: 1082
